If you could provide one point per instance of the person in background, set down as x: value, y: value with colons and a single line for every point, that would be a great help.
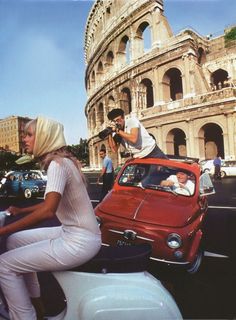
x: 73, y: 243
x: 133, y: 136
x: 217, y: 165
x: 107, y: 174
x: 180, y: 183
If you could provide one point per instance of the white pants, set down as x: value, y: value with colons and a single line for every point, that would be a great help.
x: 43, y: 249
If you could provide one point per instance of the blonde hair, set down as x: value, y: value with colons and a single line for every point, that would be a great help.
x: 56, y: 155
x: 32, y: 124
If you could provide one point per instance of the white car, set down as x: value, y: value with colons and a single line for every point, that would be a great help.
x: 207, y: 166
x: 228, y: 168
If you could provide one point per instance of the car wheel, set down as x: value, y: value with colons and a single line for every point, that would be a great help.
x: 5, y: 193
x: 194, y: 267
x: 27, y: 193
x: 222, y: 174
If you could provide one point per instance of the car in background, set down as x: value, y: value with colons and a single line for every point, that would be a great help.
x: 207, y: 165
x: 42, y: 174
x: 25, y: 184
x: 228, y: 169
x: 139, y: 209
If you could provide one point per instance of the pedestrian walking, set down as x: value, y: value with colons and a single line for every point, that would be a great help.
x: 217, y: 165
x: 107, y: 174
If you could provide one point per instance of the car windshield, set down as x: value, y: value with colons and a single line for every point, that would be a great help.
x: 32, y: 176
x: 156, y: 177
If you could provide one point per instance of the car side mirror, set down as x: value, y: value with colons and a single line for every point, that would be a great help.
x: 206, y: 185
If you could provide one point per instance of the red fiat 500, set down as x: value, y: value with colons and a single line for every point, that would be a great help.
x: 159, y: 201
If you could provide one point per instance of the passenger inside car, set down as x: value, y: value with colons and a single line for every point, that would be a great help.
x: 180, y: 183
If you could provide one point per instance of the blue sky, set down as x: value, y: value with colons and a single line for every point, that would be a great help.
x: 42, y: 60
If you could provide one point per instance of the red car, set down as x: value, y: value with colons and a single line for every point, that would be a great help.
x: 145, y: 205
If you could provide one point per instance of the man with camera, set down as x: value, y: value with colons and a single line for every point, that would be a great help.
x: 132, y: 135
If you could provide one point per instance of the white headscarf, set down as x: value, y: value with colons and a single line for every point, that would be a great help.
x: 49, y: 136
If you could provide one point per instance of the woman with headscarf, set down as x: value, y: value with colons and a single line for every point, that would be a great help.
x: 76, y: 241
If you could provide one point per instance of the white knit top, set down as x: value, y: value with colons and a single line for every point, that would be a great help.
x: 75, y: 210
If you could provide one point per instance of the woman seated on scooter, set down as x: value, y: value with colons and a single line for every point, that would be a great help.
x: 73, y: 243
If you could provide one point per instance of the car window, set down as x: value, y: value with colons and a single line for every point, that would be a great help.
x: 230, y: 163
x: 151, y: 176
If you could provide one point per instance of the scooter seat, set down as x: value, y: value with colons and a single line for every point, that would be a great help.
x: 118, y: 259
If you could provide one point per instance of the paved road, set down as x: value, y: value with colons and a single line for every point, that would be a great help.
x: 205, y: 295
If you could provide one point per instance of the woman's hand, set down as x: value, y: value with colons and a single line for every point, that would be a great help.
x: 14, y: 210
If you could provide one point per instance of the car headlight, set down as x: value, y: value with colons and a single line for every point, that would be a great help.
x: 174, y: 241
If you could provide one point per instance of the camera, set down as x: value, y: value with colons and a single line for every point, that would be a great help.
x: 105, y: 133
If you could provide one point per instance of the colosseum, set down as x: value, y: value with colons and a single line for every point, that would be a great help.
x: 181, y: 87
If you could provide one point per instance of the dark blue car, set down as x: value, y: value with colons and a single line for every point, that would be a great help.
x: 23, y: 184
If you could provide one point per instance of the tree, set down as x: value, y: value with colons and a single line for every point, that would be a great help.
x: 80, y: 151
x: 230, y: 37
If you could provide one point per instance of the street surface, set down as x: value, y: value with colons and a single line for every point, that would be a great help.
x: 209, y: 294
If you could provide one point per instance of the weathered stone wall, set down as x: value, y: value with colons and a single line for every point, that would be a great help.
x: 181, y: 87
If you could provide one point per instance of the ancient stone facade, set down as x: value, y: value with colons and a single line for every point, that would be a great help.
x: 11, y: 133
x: 181, y: 87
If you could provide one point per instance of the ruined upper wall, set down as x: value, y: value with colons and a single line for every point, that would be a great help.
x: 107, y: 16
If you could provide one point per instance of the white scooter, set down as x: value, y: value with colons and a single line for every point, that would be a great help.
x: 112, y: 286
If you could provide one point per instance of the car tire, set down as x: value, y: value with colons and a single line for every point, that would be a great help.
x: 27, y: 193
x: 194, y: 267
x: 222, y: 174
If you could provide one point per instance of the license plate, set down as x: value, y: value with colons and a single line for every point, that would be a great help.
x: 122, y: 243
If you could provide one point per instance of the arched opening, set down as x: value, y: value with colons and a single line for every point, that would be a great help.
x: 176, y: 142
x: 110, y: 58
x: 211, y: 139
x: 201, y: 56
x: 219, y: 78
x: 148, y: 91
x: 94, y: 118
x: 126, y: 100
x: 103, y: 147
x: 124, y: 50
x: 96, y: 156
x: 111, y: 103
x: 143, y: 37
x: 172, y: 82
x: 100, y: 114
x: 93, y: 79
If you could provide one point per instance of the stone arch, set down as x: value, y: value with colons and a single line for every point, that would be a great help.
x: 219, y: 78
x: 125, y: 100
x: 211, y: 141
x: 100, y: 113
x: 100, y: 67
x: 103, y: 147
x: 96, y: 156
x: 143, y: 38
x: 124, y: 50
x: 93, y: 79
x: 110, y: 58
x: 94, y: 117
x: 111, y: 103
x: 172, y: 85
x: 201, y: 56
x: 176, y: 142
x: 147, y: 90
x: 109, y: 61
